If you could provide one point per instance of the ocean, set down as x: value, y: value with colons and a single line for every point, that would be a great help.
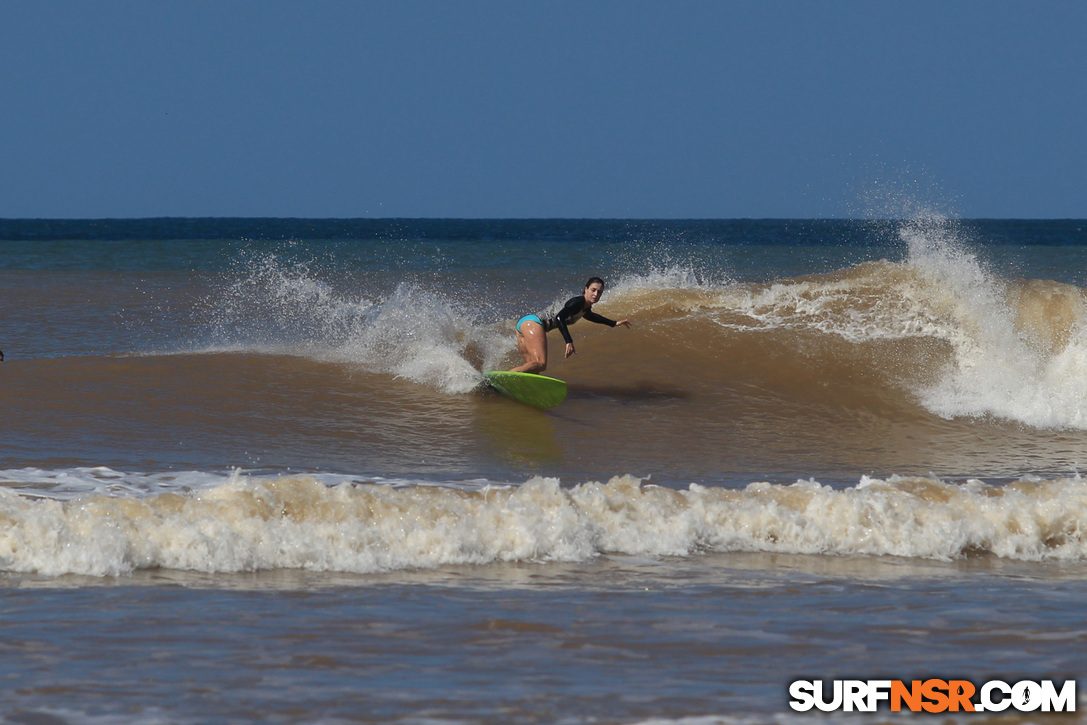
x: 250, y: 470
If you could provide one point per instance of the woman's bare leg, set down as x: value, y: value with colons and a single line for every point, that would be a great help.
x: 532, y: 342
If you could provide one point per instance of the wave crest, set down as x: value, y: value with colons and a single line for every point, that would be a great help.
x: 937, y: 327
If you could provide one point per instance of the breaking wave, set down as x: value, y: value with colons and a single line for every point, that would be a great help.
x: 298, y: 522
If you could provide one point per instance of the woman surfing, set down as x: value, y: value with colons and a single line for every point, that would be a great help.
x: 532, y: 329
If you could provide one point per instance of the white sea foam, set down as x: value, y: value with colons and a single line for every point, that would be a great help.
x: 71, y: 483
x: 998, y: 369
x: 876, y: 301
x: 83, y: 481
x: 254, y: 523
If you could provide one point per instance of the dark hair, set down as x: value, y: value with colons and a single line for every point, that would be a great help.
x: 595, y: 279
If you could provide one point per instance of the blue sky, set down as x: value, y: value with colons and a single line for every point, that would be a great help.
x: 630, y: 109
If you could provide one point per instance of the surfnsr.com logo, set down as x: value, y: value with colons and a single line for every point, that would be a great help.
x: 933, y: 696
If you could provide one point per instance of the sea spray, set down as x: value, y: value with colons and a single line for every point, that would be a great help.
x: 279, y: 300
x: 275, y: 303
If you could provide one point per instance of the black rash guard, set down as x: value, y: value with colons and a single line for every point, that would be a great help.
x: 571, y: 312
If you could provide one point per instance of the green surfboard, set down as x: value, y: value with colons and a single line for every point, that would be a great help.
x: 538, y: 390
